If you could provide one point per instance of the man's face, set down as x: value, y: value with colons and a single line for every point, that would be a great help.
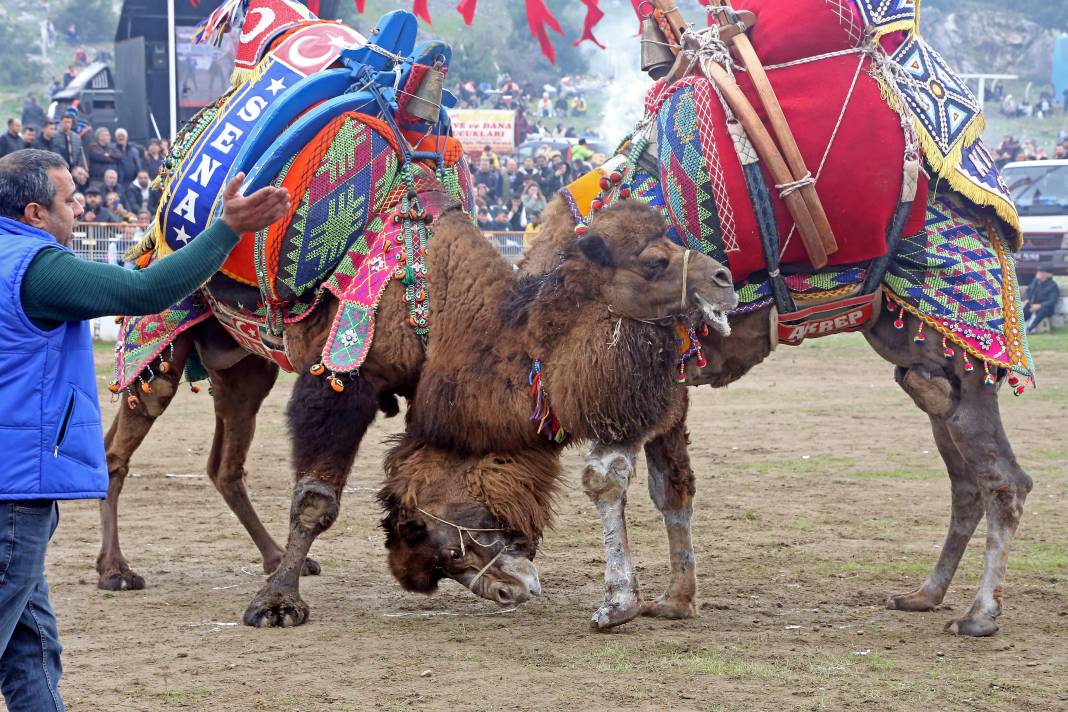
x: 121, y: 137
x: 105, y: 137
x: 15, y: 126
x: 484, y: 164
x: 66, y: 124
x: 512, y: 166
x: 142, y: 179
x: 29, y: 135
x: 1042, y: 276
x: 92, y: 201
x: 48, y: 131
x: 58, y: 219
x: 528, y: 163
x: 80, y: 174
x: 111, y: 177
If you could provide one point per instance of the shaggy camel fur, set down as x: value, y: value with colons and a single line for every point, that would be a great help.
x: 984, y: 474
x: 625, y: 264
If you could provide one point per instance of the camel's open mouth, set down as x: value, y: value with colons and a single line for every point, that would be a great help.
x: 714, y: 316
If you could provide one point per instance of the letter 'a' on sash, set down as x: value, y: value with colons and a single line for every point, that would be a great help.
x: 199, y: 181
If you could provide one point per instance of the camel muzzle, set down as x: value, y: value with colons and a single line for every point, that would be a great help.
x: 511, y: 580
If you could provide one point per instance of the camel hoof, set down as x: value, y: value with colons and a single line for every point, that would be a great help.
x: 664, y: 607
x: 976, y: 625
x: 615, y: 614
x: 272, y: 609
x: 120, y: 582
x: 915, y: 601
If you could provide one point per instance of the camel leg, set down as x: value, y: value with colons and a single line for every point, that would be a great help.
x: 126, y: 434
x: 967, y: 510
x: 980, y: 462
x: 326, y: 429
x: 238, y: 393
x: 671, y: 487
x: 608, y: 471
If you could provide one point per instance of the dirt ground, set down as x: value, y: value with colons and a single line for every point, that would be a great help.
x: 820, y: 492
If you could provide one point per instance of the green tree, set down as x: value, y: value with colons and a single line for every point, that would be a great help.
x: 95, y: 19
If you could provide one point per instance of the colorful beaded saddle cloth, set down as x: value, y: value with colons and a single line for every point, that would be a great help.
x: 867, y: 101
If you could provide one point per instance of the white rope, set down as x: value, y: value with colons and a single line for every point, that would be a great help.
x: 830, y: 143
x: 815, y: 58
x: 461, y: 529
x: 790, y: 187
x: 485, y: 568
x: 685, y: 275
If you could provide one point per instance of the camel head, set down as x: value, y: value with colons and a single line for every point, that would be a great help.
x: 476, y: 519
x: 640, y: 274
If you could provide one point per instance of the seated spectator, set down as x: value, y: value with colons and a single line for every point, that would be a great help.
x: 483, y: 220
x: 516, y: 214
x: 139, y: 194
x: 486, y: 175
x: 533, y: 198
x: 111, y: 182
x: 500, y: 220
x: 95, y: 210
x: 1040, y: 299
x: 532, y: 230
x: 115, y: 206
x: 81, y: 178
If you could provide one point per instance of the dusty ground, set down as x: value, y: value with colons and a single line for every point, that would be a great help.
x: 820, y: 492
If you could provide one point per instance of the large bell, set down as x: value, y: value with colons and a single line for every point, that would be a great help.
x: 657, y: 57
x: 425, y: 103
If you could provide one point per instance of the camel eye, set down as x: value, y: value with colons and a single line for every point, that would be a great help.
x: 654, y: 267
x: 455, y: 554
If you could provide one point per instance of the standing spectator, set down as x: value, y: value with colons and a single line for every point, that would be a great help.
x: 69, y: 144
x: 29, y: 137
x: 46, y: 136
x: 139, y: 194
x: 68, y: 76
x: 103, y: 155
x: 12, y: 140
x: 153, y: 159
x: 1041, y: 299
x: 81, y: 56
x: 32, y: 113
x: 493, y: 158
x: 513, y: 181
x: 581, y: 152
x: 131, y: 157
x: 81, y: 179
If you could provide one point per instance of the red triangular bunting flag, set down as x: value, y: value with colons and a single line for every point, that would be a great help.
x: 593, y: 16
x: 360, y: 5
x: 313, y: 5
x: 420, y: 10
x: 467, y: 9
x: 538, y: 16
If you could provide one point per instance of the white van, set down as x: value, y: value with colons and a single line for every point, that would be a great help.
x: 1040, y: 191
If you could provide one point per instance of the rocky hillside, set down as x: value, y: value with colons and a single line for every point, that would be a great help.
x: 992, y: 40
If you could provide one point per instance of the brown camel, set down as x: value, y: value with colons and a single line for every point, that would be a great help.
x: 624, y: 284
x: 984, y: 475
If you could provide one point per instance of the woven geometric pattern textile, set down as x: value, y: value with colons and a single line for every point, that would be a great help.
x: 947, y: 113
x: 959, y: 277
x: 884, y: 16
x: 355, y: 173
x: 143, y: 338
x: 979, y: 179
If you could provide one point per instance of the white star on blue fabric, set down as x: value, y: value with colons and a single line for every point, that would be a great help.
x: 181, y: 234
x: 276, y: 86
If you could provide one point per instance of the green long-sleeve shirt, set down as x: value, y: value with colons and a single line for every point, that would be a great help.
x: 60, y: 287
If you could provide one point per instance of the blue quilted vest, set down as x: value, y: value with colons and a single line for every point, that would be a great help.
x: 50, y: 434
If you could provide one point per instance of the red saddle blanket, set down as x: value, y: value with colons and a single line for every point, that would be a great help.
x: 850, y: 137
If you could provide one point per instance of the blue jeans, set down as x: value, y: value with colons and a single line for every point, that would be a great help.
x: 29, y: 640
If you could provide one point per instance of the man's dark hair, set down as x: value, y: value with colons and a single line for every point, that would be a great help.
x: 24, y: 179
x: 11, y: 122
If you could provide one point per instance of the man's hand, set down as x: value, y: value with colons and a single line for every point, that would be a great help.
x: 253, y: 212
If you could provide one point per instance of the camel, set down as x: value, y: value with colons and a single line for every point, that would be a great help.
x: 604, y: 315
x: 985, y: 477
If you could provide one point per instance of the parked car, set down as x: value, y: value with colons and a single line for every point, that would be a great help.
x: 534, y: 146
x: 1040, y: 191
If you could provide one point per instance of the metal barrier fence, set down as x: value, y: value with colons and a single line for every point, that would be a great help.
x: 105, y: 242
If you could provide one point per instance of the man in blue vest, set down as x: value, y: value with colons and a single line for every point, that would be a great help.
x: 49, y: 412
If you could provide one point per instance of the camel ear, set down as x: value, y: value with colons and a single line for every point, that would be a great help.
x: 596, y: 250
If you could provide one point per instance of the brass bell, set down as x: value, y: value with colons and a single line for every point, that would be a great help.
x: 425, y: 103
x: 657, y: 57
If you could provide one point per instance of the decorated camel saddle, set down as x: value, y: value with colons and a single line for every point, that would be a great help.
x: 827, y: 154
x: 355, y: 130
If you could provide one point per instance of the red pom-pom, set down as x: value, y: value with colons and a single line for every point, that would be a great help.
x: 624, y: 192
x: 615, y: 176
x: 899, y: 324
x: 581, y: 229
x: 597, y: 204
x: 947, y: 352
x: 113, y: 386
x: 605, y: 184
x: 337, y: 384
x: 194, y: 387
x: 968, y: 367
x: 1018, y: 391
x: 317, y: 369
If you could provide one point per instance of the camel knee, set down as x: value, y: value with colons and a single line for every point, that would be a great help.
x: 932, y: 392
x: 315, y: 506
x: 607, y: 473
